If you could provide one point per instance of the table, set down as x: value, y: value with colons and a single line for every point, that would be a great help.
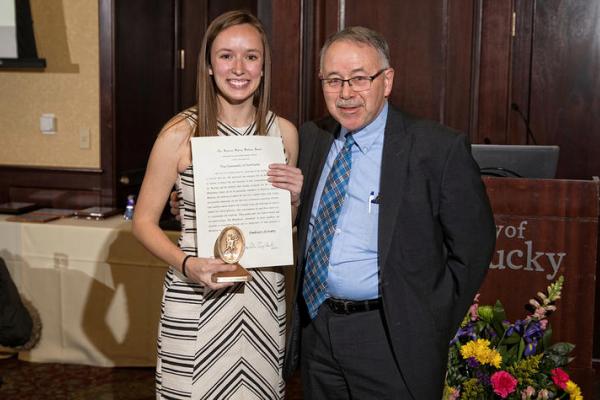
x: 97, y: 290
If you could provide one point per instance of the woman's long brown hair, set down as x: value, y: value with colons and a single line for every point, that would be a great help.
x: 207, y: 91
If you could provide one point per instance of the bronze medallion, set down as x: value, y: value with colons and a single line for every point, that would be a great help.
x: 230, y: 244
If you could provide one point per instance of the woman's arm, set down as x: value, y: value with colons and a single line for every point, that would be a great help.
x: 169, y: 155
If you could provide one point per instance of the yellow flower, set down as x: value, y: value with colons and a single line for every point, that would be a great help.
x: 474, y: 348
x: 574, y: 391
x: 495, y: 359
x: 480, y: 350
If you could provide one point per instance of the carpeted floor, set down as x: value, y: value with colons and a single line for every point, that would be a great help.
x: 33, y: 381
x: 23, y: 380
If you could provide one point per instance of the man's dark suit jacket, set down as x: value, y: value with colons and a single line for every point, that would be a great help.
x: 436, y: 238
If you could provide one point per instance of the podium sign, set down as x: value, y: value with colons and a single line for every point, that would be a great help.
x: 544, y: 229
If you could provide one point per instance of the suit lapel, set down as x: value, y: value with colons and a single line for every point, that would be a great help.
x: 320, y: 150
x: 318, y: 142
x: 394, y: 176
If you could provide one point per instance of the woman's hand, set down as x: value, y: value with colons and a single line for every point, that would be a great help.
x: 286, y: 177
x: 201, y: 270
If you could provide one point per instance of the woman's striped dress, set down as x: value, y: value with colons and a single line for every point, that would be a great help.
x: 225, y: 344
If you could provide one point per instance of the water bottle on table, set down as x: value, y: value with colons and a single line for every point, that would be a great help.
x: 129, y: 207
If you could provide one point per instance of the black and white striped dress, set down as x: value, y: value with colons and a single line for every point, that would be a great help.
x: 225, y: 344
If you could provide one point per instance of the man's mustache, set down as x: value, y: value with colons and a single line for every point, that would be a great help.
x: 348, y: 104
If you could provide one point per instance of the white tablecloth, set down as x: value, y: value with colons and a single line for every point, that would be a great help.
x: 96, y: 288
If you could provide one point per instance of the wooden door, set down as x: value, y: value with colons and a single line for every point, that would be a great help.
x: 145, y: 85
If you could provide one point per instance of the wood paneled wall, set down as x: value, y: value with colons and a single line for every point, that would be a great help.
x: 282, y: 19
x: 458, y: 62
x: 565, y: 83
x: 465, y: 65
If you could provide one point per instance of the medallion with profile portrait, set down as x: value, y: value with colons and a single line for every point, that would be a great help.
x: 230, y: 244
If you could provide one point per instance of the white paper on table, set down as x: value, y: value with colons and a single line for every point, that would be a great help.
x: 231, y: 188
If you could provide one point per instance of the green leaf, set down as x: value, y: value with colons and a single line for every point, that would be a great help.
x: 512, y: 339
x: 480, y: 326
x: 557, y: 355
x: 499, y: 314
x: 521, y: 349
x: 498, y: 320
x: 498, y: 327
x: 547, y: 338
x: 561, y: 348
x: 511, y: 355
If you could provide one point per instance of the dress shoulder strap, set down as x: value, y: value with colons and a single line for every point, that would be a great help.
x: 190, y: 115
x: 272, y: 125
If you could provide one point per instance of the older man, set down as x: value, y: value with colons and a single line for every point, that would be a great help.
x: 395, y: 236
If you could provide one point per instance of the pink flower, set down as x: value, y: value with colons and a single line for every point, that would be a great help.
x: 474, y: 307
x: 473, y: 312
x: 560, y: 378
x: 540, y: 313
x: 528, y: 393
x: 544, y: 324
x: 454, y: 394
x: 503, y: 383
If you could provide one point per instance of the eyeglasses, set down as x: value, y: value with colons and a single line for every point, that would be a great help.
x: 357, y: 83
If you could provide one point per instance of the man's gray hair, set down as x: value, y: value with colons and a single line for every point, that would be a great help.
x: 360, y: 34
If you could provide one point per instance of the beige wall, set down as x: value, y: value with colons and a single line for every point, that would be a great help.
x: 66, y: 33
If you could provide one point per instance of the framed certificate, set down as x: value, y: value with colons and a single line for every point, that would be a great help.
x: 231, y: 190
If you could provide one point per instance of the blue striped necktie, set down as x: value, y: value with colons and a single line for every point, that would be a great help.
x: 314, y: 288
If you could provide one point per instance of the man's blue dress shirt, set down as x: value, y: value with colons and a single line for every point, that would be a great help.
x: 353, y: 270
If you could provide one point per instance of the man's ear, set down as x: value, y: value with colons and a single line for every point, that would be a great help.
x: 389, y: 81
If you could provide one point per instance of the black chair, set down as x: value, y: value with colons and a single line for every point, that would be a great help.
x: 16, y: 324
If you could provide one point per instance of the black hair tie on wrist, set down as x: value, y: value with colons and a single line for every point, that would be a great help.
x: 183, y: 265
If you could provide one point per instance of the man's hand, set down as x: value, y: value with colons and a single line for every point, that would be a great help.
x: 174, y: 204
x: 286, y: 177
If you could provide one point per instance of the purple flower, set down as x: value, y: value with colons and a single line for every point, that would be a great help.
x: 534, y: 331
x: 483, y: 378
x: 530, y: 331
x: 530, y: 348
x: 467, y: 332
x: 472, y: 362
x: 518, y: 327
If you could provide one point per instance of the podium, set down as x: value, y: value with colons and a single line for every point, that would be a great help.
x: 546, y: 228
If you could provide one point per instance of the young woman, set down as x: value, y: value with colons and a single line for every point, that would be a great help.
x: 218, y: 340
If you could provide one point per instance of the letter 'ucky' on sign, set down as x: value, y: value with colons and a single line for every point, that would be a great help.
x: 525, y: 258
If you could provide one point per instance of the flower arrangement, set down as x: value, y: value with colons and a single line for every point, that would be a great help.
x: 490, y: 358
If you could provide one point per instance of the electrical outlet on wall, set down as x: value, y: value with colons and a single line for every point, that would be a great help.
x: 84, y: 138
x: 48, y: 124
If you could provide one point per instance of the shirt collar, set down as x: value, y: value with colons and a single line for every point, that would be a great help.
x: 365, y: 136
